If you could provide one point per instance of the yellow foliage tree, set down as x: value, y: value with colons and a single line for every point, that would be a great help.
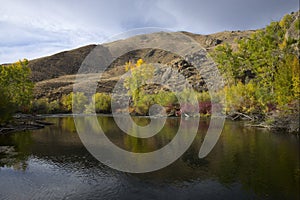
x: 140, y: 74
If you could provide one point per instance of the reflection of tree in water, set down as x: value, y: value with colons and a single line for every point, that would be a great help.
x: 192, y: 160
x: 67, y: 123
x: 190, y: 157
x: 130, y: 143
x: 262, y: 162
x: 143, y: 145
x: 15, y: 150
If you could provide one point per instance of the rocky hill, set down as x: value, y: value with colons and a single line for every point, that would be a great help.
x: 54, y: 75
x: 68, y: 62
x: 60, y: 64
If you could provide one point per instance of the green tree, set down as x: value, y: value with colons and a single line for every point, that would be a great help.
x: 140, y: 74
x: 16, y: 88
x: 259, y: 54
x: 74, y: 99
x: 16, y: 83
x: 102, y: 102
x: 270, y: 56
x: 7, y: 108
x: 40, y: 106
x: 229, y: 63
x: 165, y: 98
x: 287, y: 80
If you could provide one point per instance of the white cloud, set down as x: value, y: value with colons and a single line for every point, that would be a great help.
x: 33, y: 29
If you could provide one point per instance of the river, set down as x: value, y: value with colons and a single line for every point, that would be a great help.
x: 246, y: 163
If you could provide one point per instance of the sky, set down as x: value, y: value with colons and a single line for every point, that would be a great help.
x: 35, y: 28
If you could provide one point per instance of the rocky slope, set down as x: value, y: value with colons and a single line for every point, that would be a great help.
x: 54, y: 75
x: 63, y: 63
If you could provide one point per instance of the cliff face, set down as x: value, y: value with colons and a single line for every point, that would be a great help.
x: 293, y: 32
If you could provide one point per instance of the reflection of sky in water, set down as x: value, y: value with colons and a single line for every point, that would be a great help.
x: 47, y: 180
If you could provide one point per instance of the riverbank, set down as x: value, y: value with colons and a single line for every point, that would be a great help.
x: 23, y: 122
x: 274, y: 122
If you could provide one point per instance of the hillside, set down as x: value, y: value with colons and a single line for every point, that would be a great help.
x: 68, y: 62
x: 54, y: 75
x: 63, y: 63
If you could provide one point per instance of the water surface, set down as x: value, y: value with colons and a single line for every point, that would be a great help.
x: 246, y: 163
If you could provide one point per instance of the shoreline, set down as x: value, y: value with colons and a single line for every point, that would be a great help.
x: 25, y: 122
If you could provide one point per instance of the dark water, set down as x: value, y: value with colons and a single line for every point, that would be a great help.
x: 246, y: 163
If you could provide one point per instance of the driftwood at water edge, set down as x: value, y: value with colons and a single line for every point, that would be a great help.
x: 237, y: 115
x: 24, y: 122
x: 261, y: 125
